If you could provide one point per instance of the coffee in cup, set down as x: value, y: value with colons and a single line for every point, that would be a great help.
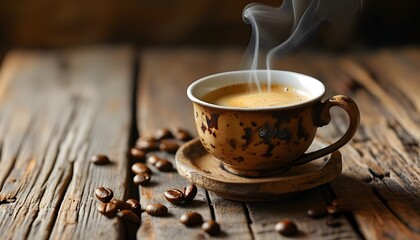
x: 247, y: 96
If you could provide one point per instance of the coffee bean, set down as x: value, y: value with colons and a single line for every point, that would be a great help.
x: 163, y: 133
x: 108, y: 209
x: 129, y: 216
x: 142, y: 179
x: 121, y: 205
x: 164, y: 165
x: 168, y: 146
x: 146, y: 144
x: 343, y: 205
x: 190, y: 192
x: 174, y: 196
x: 333, y: 211
x: 104, y: 194
x: 211, y: 227
x: 317, y: 211
x: 100, y: 159
x: 286, y: 228
x: 134, y: 205
x: 153, y: 159
x: 190, y: 219
x: 139, y: 168
x: 137, y: 154
x: 182, y: 134
x: 156, y: 209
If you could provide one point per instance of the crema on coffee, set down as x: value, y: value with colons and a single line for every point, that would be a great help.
x: 240, y: 95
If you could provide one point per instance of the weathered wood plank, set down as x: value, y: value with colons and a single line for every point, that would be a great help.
x: 264, y: 216
x: 165, y: 76
x: 77, y: 103
x: 168, y: 227
x: 384, y: 152
x: 232, y: 217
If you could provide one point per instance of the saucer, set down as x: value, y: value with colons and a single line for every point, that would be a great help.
x: 199, y: 167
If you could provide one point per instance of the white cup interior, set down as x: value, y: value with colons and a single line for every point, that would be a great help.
x: 311, y: 86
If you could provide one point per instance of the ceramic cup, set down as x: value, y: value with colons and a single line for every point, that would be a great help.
x: 258, y: 142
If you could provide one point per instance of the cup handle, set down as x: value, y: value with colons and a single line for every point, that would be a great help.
x: 324, y: 118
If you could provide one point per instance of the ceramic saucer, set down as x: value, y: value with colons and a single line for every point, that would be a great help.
x: 195, y: 164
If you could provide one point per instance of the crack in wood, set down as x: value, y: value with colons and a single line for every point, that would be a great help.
x: 51, y: 223
x: 248, y: 220
x: 133, y: 190
x: 209, y: 203
x: 64, y: 178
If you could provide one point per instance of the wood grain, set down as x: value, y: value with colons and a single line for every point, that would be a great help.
x: 61, y: 108
x: 385, y: 152
x: 164, y: 79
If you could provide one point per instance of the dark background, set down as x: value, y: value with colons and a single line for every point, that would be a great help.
x: 64, y: 23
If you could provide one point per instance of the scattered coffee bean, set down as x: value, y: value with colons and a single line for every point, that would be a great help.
x: 128, y: 215
x: 174, y: 196
x: 190, y: 192
x: 333, y: 211
x: 121, y: 205
x: 343, y: 205
x: 147, y: 144
x: 211, y: 227
x: 317, y: 211
x: 100, y: 159
x: 134, y: 205
x: 168, y: 146
x: 142, y: 179
x: 108, y: 209
x: 190, y: 219
x: 139, y: 168
x: 104, y: 194
x: 164, y: 165
x: 182, y: 134
x: 153, y: 159
x: 156, y: 209
x: 163, y: 133
x: 286, y: 228
x: 137, y: 154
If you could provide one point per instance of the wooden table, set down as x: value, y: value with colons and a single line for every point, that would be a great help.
x: 58, y: 108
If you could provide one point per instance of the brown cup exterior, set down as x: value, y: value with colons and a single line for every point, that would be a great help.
x: 256, y: 143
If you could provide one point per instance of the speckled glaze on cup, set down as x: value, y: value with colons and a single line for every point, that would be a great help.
x: 264, y: 141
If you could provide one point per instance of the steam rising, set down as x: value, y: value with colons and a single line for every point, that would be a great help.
x: 277, y: 30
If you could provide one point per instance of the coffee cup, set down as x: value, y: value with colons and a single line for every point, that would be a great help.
x: 256, y: 136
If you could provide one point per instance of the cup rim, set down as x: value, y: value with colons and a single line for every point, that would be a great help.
x: 314, y: 98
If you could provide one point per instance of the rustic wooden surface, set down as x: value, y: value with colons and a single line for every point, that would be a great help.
x: 57, y: 108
